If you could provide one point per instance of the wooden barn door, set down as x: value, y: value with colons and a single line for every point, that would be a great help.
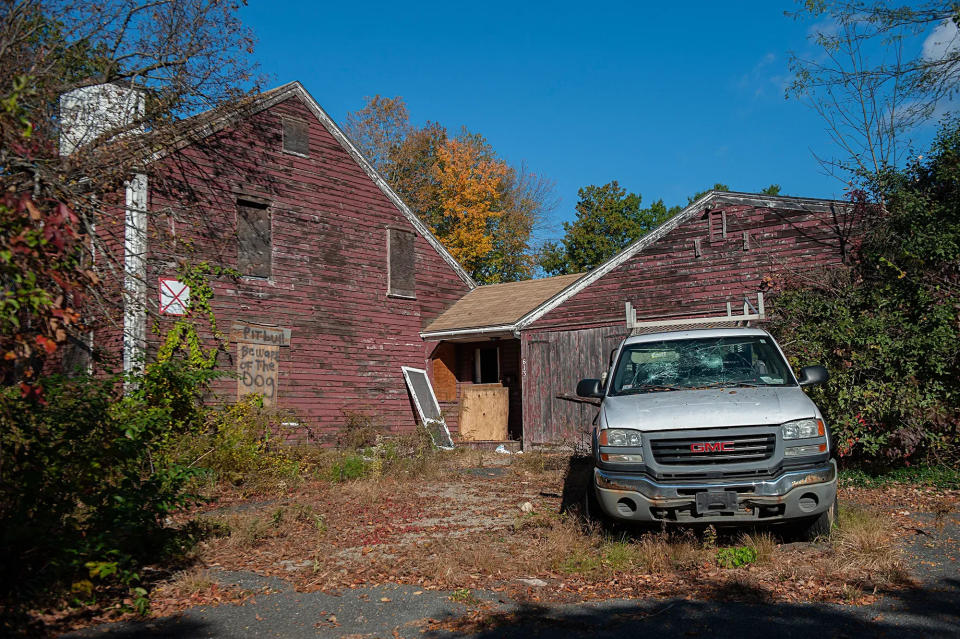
x: 555, y: 362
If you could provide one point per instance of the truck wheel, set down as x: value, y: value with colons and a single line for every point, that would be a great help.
x: 590, y: 508
x: 819, y: 527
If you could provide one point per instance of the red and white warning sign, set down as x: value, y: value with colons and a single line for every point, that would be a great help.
x: 174, y: 296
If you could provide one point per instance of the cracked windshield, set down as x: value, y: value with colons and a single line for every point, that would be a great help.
x: 699, y: 363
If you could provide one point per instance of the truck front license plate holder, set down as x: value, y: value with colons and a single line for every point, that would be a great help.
x: 717, y: 502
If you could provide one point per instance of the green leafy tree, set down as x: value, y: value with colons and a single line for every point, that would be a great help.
x: 608, y: 220
x: 773, y: 189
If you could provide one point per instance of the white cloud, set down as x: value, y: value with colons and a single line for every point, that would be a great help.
x: 758, y: 76
x: 942, y: 41
x: 826, y: 28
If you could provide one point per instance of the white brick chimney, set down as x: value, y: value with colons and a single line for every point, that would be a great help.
x: 89, y: 112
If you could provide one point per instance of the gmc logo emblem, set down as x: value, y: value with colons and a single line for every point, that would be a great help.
x: 712, y: 447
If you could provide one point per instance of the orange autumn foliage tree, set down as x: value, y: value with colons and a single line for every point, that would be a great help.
x: 469, y: 187
x: 481, y: 209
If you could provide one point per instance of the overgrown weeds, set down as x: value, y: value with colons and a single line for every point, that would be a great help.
x: 863, y: 540
x: 240, y: 443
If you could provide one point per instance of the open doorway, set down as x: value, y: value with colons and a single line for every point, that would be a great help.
x: 486, y: 365
x: 481, y: 382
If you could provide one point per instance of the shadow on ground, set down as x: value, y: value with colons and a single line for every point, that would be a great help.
x: 932, y: 612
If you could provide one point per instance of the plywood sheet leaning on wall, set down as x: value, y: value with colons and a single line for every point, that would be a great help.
x: 426, y: 402
x: 484, y: 411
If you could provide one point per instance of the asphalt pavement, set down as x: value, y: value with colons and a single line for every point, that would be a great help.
x: 931, y: 611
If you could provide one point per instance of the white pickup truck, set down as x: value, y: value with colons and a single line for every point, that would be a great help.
x: 711, y: 427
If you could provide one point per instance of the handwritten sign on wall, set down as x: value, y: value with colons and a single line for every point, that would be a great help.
x: 258, y: 359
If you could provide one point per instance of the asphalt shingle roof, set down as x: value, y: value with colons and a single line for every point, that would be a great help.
x: 500, y: 304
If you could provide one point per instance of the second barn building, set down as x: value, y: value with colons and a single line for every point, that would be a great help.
x: 506, y: 358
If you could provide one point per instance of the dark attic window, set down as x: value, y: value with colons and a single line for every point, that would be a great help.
x: 254, y: 242
x: 296, y: 137
x: 401, y: 259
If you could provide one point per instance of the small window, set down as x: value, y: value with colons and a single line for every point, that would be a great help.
x: 254, y: 247
x: 401, y: 259
x: 296, y: 137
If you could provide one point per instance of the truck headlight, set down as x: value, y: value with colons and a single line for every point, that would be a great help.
x: 620, y: 437
x: 803, y: 429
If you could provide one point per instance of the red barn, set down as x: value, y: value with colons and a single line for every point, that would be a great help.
x: 337, y: 276
x: 538, y: 338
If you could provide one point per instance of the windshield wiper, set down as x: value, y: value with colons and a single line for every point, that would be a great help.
x: 727, y: 384
x: 739, y: 382
x: 658, y: 387
x: 648, y: 388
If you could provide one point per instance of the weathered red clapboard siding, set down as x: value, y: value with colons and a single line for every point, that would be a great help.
x: 666, y: 280
x: 108, y: 264
x: 329, y: 268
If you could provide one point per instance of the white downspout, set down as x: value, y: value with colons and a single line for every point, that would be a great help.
x: 135, y: 274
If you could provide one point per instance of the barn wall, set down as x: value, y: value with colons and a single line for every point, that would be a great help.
x: 668, y: 279
x: 328, y: 281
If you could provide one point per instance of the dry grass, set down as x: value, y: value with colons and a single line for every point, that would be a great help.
x: 764, y: 543
x: 537, y: 462
x: 187, y: 583
x: 864, y: 541
x: 466, y: 531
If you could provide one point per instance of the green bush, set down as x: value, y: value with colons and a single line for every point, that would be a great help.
x: 236, y: 443
x: 889, y: 330
x: 83, y: 484
x: 349, y: 467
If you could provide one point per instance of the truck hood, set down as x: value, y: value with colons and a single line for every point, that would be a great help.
x: 707, y: 408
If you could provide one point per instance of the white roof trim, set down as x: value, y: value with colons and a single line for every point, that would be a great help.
x: 713, y: 197
x: 458, y: 332
x: 291, y: 89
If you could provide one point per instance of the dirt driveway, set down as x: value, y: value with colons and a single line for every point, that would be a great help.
x: 492, y: 551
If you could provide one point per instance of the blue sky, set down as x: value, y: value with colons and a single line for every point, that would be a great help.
x: 665, y: 98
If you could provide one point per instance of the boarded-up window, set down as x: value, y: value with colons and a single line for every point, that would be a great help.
x: 444, y: 380
x: 296, y: 137
x: 401, y: 263
x: 254, y: 249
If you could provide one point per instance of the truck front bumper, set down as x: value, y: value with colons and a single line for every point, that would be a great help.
x: 795, y: 494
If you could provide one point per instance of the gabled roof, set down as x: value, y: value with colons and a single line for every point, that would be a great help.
x: 209, y: 122
x: 498, y: 305
x: 579, y: 282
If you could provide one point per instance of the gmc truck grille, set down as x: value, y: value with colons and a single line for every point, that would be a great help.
x: 732, y: 449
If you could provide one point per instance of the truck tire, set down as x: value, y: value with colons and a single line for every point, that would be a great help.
x: 819, y: 526
x: 592, y: 513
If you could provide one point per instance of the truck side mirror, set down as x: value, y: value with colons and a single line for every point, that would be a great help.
x: 810, y: 375
x: 589, y: 388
